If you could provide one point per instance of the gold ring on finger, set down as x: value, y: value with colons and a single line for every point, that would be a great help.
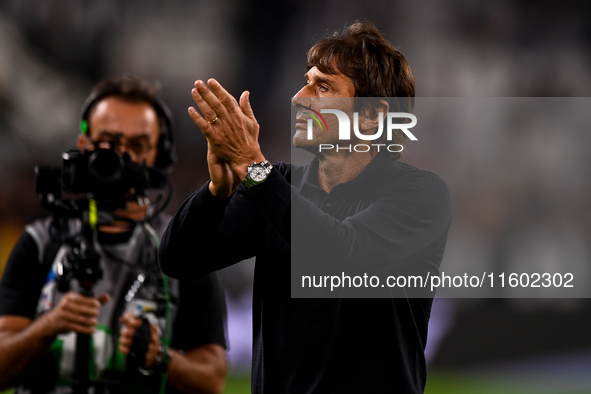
x: 215, y: 120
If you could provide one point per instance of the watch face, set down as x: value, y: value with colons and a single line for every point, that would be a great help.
x: 258, y: 173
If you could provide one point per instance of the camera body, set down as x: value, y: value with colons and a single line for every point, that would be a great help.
x: 100, y: 174
x: 103, y: 173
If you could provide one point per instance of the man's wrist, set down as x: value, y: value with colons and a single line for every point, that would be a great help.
x: 257, y: 173
x: 241, y: 168
x: 46, y: 327
x: 220, y: 193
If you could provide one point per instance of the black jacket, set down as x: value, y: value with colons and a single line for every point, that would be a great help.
x: 391, y: 218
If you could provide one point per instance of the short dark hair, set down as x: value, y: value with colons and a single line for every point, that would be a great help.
x: 377, y: 68
x: 127, y: 88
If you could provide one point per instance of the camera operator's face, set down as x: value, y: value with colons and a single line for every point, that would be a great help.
x: 138, y: 129
x: 136, y: 124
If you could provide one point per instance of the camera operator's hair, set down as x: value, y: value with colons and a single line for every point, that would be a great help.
x: 376, y: 68
x: 134, y: 90
x: 127, y: 88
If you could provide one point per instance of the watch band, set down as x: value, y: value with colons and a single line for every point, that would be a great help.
x: 257, y: 173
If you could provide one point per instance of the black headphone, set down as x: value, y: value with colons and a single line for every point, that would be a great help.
x: 166, y: 157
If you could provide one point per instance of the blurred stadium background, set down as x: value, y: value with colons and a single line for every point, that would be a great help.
x: 53, y: 51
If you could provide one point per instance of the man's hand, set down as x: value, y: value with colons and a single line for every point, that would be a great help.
x: 23, y: 341
x: 75, y: 312
x: 231, y: 131
x: 130, y: 326
x: 223, y: 180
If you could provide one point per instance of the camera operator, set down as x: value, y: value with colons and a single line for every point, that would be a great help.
x: 38, y: 322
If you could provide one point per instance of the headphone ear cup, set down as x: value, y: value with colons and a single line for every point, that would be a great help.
x: 166, y: 150
x: 166, y: 153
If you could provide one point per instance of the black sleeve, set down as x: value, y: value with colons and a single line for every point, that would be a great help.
x: 201, y: 317
x: 22, y: 280
x: 408, y: 217
x: 205, y: 225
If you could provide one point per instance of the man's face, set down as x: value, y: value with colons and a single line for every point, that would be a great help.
x: 331, y: 91
x: 138, y: 128
x: 136, y: 124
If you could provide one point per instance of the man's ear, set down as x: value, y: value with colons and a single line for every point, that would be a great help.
x: 368, y: 121
x: 83, y: 142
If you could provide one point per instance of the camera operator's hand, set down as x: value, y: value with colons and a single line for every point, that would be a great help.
x: 130, y: 325
x: 75, y: 312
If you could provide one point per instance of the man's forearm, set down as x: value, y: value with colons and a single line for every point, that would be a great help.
x: 183, y: 237
x: 201, y: 370
x: 405, y: 221
x: 21, y: 347
x: 204, y: 222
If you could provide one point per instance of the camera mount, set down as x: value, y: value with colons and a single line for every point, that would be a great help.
x: 90, y: 186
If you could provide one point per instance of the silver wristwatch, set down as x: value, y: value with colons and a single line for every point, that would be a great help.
x: 257, y: 173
